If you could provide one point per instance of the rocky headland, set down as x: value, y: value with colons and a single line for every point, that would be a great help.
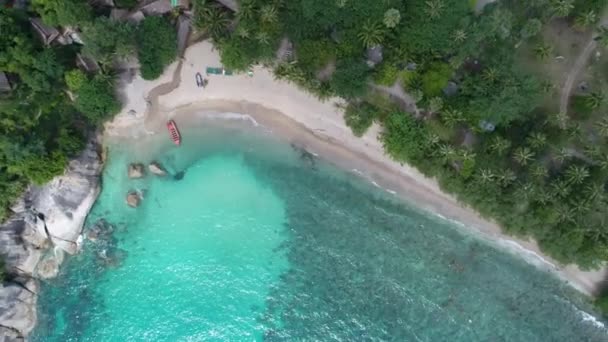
x: 47, y: 222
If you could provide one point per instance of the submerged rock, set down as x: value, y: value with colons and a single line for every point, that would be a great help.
x: 133, y: 199
x: 157, y: 169
x: 136, y: 170
x: 179, y: 175
x: 102, y: 229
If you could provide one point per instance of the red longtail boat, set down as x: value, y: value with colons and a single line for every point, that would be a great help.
x: 174, y: 132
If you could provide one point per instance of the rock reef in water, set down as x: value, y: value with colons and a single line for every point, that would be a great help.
x: 46, y: 224
x: 156, y: 168
x: 136, y: 170
x: 133, y: 199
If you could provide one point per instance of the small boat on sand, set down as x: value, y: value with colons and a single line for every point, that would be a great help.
x: 174, y: 132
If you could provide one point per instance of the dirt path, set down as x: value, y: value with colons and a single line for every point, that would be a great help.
x: 396, y: 91
x: 574, y: 73
x: 153, y: 118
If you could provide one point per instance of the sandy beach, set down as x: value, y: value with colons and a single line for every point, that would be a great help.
x: 302, y: 119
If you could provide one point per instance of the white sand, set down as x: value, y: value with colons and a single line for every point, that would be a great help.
x: 318, y: 125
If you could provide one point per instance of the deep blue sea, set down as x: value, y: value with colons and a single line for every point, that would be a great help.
x: 257, y: 240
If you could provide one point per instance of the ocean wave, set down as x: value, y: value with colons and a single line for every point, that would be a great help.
x: 231, y: 116
x: 587, y: 317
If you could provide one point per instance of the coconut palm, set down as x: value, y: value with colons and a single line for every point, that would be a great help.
x: 602, y: 127
x: 595, y: 192
x: 452, y: 117
x: 542, y: 51
x: 506, y: 177
x: 525, y: 191
x: 594, y: 100
x: 263, y: 38
x: 433, y: 139
x: 561, y: 120
x: 246, y: 9
x: 434, y: 8
x: 500, y: 145
x: 341, y: 3
x: 459, y: 36
x: 467, y: 156
x: 212, y: 20
x: 537, y: 140
x: 602, y: 36
x: 576, y: 174
x: 565, y: 213
x: 417, y: 95
x: 560, y: 189
x: 269, y: 14
x: 562, y: 155
x: 603, y: 162
x: 562, y: 8
x: 593, y: 151
x: 539, y: 171
x: 486, y: 176
x: 543, y: 197
x: 447, y: 153
x: 392, y: 17
x: 586, y: 19
x: 523, y: 155
x: 371, y: 34
x: 242, y: 32
x: 490, y: 75
x: 435, y: 104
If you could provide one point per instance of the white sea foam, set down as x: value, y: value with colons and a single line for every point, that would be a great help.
x: 232, y: 116
x: 586, y: 317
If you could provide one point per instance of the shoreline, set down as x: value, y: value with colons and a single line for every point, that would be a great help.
x: 318, y: 127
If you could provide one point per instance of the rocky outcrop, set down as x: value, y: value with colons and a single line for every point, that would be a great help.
x: 136, y: 170
x: 133, y: 199
x: 45, y: 225
x: 157, y: 169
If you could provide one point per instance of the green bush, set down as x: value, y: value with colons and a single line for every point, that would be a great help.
x: 157, y: 42
x: 350, y: 79
x: 96, y: 99
x: 386, y: 74
x: 359, y: 117
x: 125, y: 3
x: 435, y: 78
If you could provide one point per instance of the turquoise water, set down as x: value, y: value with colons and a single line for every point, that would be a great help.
x: 261, y: 241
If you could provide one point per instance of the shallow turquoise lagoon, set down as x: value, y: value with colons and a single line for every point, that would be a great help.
x: 262, y: 241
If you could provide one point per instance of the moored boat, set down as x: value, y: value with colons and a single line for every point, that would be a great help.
x: 174, y: 132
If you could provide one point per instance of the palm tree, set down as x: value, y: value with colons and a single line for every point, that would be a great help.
x: 490, y: 75
x: 486, y: 176
x: 565, y: 213
x: 341, y: 3
x: 500, y: 145
x: 539, y: 171
x: 603, y: 162
x: 563, y: 154
x: 586, y: 19
x: 594, y: 100
x: 562, y: 8
x: 212, y: 20
x: 447, y: 153
x: 263, y: 38
x: 452, y: 117
x: 242, y: 32
x: 371, y: 34
x: 523, y: 155
x: 576, y: 174
x: 269, y: 14
x: 459, y: 36
x: 561, y: 119
x: 433, y: 139
x: 537, y: 140
x: 434, y: 8
x: 467, y: 156
x: 506, y: 177
x: 246, y: 9
x: 392, y: 17
x: 525, y: 191
x: 435, y: 104
x: 595, y: 192
x: 602, y: 36
x: 560, y: 189
x: 602, y: 127
x: 543, y: 50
